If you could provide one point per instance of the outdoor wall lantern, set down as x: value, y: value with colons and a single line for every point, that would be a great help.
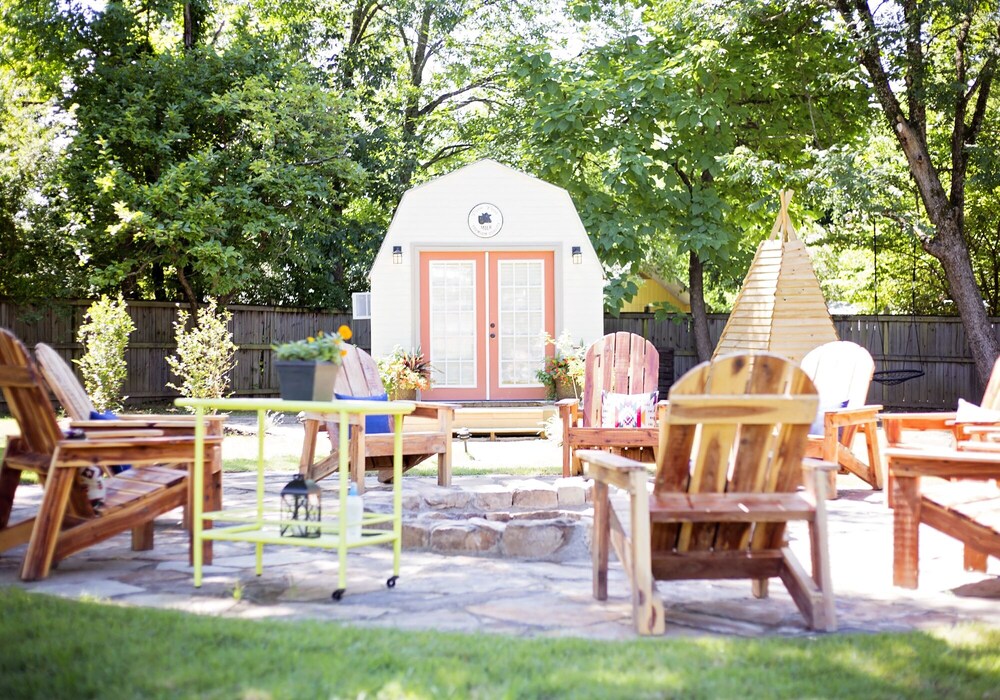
x: 300, y: 508
x: 397, y: 255
x: 577, y: 255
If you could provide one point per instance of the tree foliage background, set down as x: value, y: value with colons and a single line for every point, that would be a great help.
x: 256, y: 151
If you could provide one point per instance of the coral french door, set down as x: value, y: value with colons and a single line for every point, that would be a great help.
x: 482, y: 319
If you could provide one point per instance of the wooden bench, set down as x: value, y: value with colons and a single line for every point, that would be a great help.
x: 953, y: 491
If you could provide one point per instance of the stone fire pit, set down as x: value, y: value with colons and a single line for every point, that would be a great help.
x: 494, y: 516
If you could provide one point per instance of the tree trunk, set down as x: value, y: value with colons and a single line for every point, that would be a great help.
x: 699, y: 316
x: 948, y: 246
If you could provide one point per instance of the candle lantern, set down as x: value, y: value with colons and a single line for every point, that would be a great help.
x: 300, y: 502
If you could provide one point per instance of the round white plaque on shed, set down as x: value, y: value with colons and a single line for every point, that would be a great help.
x: 485, y: 220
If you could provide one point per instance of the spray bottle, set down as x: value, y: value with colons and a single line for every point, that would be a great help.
x: 355, y: 511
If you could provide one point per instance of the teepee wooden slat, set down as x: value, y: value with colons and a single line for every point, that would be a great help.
x: 780, y: 308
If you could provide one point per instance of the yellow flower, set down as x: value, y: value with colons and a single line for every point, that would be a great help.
x: 345, y: 332
x: 343, y: 353
x: 311, y: 339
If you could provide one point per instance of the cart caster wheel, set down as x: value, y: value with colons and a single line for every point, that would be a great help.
x: 391, y: 583
x: 338, y: 594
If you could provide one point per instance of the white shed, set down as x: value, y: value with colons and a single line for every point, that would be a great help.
x: 475, y: 266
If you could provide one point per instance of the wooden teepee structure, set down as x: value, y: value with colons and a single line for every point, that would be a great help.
x: 780, y: 308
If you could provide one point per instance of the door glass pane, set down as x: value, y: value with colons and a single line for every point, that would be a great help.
x: 452, y: 291
x: 522, y: 349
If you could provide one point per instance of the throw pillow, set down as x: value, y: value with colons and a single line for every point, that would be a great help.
x: 628, y: 410
x: 969, y: 412
x: 110, y: 415
x: 818, y: 428
x: 374, y: 424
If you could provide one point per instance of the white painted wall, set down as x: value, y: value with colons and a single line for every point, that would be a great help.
x: 434, y: 216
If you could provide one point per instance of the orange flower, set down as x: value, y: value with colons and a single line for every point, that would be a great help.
x: 345, y: 332
x: 343, y: 353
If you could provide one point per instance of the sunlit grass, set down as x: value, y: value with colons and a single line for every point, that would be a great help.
x: 52, y: 647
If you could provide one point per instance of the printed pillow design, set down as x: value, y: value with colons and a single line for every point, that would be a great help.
x: 628, y: 410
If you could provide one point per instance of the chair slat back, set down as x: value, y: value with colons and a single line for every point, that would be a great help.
x: 622, y: 363
x: 842, y: 371
x: 737, y: 424
x: 991, y: 396
x: 25, y: 396
x: 63, y: 382
x: 359, y: 375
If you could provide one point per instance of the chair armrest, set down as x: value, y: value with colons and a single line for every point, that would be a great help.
x: 102, y: 426
x: 143, y: 450
x: 895, y: 423
x: 816, y: 475
x: 853, y: 416
x: 427, y: 409
x: 613, y: 469
x: 919, y: 421
x: 112, y: 434
x: 810, y: 464
x: 569, y: 411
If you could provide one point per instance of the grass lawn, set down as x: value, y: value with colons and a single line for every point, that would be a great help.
x: 53, y: 648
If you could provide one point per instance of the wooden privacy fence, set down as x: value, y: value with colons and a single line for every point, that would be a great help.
x: 254, y: 330
x: 936, y: 345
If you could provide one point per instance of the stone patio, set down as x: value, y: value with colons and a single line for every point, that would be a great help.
x: 464, y: 569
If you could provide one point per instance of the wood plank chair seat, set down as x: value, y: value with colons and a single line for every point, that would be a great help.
x: 620, y: 363
x: 730, y: 461
x: 842, y: 372
x: 953, y: 491
x: 359, y: 377
x: 66, y: 521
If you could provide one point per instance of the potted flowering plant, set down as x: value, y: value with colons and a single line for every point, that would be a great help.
x: 404, y: 373
x: 564, y: 371
x: 308, y: 368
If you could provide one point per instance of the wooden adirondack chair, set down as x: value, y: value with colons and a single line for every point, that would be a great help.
x: 728, y: 468
x: 76, y: 403
x: 621, y: 363
x: 66, y: 521
x: 842, y: 372
x: 359, y: 378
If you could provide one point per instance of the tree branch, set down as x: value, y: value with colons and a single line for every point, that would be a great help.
x: 959, y: 154
x: 446, y: 152
x: 445, y: 96
x: 915, y: 84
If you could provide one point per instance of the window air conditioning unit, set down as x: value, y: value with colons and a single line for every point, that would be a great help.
x: 361, y: 305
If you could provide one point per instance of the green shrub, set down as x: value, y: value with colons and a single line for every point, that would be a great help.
x: 205, y: 354
x: 104, y: 336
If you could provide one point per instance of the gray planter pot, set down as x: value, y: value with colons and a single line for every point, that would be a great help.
x: 306, y: 381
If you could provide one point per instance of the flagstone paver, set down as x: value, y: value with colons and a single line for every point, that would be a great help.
x: 486, y: 589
